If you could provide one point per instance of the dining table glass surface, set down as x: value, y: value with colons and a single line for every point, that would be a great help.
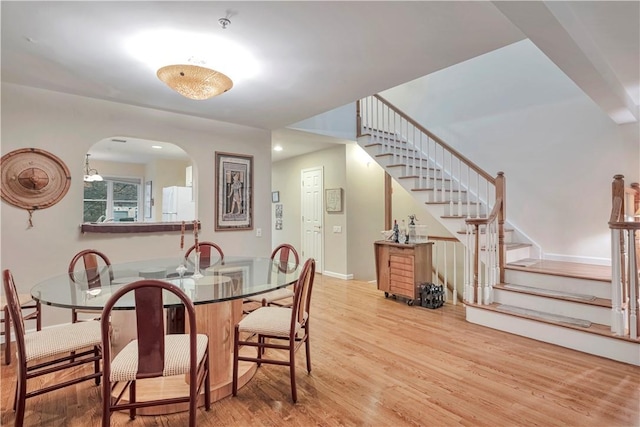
x: 233, y: 278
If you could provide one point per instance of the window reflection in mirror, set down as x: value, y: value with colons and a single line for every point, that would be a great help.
x: 129, y: 168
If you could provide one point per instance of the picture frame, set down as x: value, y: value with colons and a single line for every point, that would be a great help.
x: 148, y: 199
x: 333, y: 199
x: 234, y: 191
x: 275, y: 196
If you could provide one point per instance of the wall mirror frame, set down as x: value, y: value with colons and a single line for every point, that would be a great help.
x: 141, y: 179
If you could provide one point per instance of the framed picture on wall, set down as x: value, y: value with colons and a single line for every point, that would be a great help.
x: 333, y: 199
x: 234, y: 192
x: 275, y: 196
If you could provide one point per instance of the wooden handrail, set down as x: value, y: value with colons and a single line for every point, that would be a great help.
x: 628, y: 225
x: 489, y: 219
x: 455, y: 152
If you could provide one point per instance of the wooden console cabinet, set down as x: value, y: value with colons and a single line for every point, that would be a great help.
x: 400, y: 267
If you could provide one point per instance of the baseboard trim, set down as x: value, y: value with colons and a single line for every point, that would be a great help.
x: 338, y: 275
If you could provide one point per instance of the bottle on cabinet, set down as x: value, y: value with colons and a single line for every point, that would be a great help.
x: 412, y: 229
x: 396, y: 232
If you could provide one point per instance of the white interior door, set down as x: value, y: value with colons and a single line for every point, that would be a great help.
x: 312, y: 208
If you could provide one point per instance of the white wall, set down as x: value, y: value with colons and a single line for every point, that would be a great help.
x: 513, y: 110
x: 67, y: 126
x: 348, y: 254
x: 286, y: 178
x: 365, y: 203
x: 339, y: 122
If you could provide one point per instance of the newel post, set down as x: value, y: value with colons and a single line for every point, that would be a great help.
x: 501, y: 194
x: 636, y: 200
x: 617, y: 190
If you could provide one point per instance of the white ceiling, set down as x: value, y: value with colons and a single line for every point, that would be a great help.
x: 311, y: 56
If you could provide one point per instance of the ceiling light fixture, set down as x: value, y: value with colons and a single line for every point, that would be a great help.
x: 196, y: 81
x: 90, y: 175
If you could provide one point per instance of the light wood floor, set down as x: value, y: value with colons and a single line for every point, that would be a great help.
x: 379, y: 362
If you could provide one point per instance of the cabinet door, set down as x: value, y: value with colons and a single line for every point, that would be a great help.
x: 401, y: 273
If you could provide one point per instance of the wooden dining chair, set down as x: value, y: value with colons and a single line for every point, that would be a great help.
x: 154, y: 354
x: 91, y: 271
x: 267, y: 324
x: 33, y: 313
x: 210, y: 254
x: 49, y: 351
x: 286, y: 260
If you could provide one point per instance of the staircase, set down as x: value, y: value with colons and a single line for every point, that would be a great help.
x: 506, y: 286
x: 548, y: 304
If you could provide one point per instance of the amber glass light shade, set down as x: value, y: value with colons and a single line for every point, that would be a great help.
x: 194, y: 81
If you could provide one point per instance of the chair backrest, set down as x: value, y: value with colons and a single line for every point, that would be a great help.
x: 283, y: 253
x: 150, y: 327
x: 13, y: 303
x: 93, y: 264
x: 302, y: 293
x: 208, y: 252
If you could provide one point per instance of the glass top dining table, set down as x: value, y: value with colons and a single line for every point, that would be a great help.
x: 233, y: 278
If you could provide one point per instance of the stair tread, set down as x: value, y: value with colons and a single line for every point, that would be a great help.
x: 426, y: 177
x: 439, y: 189
x: 565, y: 296
x: 566, y: 269
x: 556, y: 318
x: 483, y: 231
x: 594, y: 328
x: 454, y: 216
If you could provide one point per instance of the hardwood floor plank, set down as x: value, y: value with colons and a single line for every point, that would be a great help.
x: 379, y: 362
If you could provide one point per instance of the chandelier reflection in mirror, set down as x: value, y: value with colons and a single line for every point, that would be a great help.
x: 90, y: 175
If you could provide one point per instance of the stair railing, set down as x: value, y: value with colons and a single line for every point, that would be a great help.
x: 448, y: 178
x: 485, y: 235
x: 625, y: 258
x: 447, y: 254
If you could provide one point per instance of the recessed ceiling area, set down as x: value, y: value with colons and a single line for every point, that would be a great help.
x: 134, y: 150
x: 296, y: 143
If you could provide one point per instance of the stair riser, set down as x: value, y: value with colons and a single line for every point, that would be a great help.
x: 565, y: 284
x: 611, y: 348
x: 381, y: 147
x: 413, y: 180
x: 517, y: 254
x: 508, y: 235
x: 595, y: 314
x: 431, y: 182
x: 444, y: 197
x: 472, y: 210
